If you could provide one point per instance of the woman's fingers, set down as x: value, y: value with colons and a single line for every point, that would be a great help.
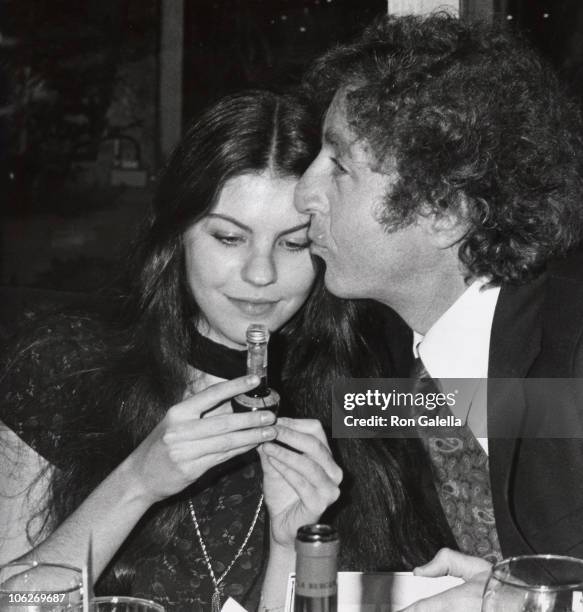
x: 183, y: 452
x: 312, y: 449
x: 197, y: 429
x: 308, y: 469
x: 216, y: 394
x: 266, y: 465
x: 312, y: 427
x: 303, y: 489
x: 315, y: 497
x: 216, y: 458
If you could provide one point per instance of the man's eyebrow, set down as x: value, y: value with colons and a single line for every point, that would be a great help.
x: 332, y: 137
x: 246, y: 228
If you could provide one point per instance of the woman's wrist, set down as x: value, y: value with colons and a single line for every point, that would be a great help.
x: 282, y: 553
x: 135, y: 491
x: 267, y: 607
x: 282, y: 540
x: 282, y: 560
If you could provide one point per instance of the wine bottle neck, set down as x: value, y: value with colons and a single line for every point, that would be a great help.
x: 262, y: 390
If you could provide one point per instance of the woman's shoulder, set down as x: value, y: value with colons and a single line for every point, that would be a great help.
x: 50, y: 347
x: 48, y: 371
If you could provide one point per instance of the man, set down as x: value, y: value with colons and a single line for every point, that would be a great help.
x: 449, y: 187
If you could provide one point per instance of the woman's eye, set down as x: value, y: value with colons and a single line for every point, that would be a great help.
x: 228, y: 239
x: 296, y: 245
x: 338, y: 167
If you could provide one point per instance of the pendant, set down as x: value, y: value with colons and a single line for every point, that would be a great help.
x: 216, y: 601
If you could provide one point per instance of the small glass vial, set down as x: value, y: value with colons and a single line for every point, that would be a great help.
x: 262, y: 397
x: 316, y: 587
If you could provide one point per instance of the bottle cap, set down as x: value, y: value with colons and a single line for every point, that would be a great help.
x: 317, y: 540
x: 257, y: 333
x: 318, y: 532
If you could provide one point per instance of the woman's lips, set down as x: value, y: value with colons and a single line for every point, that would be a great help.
x: 253, y: 308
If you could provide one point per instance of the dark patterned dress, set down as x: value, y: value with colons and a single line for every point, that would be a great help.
x: 39, y: 401
x: 176, y: 574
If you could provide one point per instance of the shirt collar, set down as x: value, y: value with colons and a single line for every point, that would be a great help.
x: 458, y: 343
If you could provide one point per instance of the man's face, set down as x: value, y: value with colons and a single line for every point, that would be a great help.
x: 345, y: 197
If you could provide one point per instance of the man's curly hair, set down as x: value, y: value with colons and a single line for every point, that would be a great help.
x: 477, y: 124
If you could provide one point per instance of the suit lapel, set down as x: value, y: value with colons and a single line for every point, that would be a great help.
x: 515, y: 343
x: 516, y: 330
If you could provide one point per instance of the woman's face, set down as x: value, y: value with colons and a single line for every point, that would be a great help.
x: 248, y: 261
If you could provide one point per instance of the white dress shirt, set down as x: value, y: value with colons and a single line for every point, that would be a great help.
x: 458, y: 346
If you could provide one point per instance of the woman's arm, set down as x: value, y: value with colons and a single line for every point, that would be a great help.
x: 298, y: 487
x: 181, y: 448
x: 24, y: 479
x: 107, y: 516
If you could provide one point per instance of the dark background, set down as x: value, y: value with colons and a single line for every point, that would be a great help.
x: 79, y: 107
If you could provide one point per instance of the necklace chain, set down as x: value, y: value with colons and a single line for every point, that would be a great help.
x: 216, y: 598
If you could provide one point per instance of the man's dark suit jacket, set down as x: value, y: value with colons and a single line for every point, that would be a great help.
x: 537, y: 484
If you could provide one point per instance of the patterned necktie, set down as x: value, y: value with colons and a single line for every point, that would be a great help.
x: 461, y: 476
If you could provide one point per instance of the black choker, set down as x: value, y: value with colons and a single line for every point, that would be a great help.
x: 216, y: 359
x: 224, y: 362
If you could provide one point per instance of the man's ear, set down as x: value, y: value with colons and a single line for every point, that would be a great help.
x: 446, y: 228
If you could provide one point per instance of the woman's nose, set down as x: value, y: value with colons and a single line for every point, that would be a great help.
x: 260, y: 269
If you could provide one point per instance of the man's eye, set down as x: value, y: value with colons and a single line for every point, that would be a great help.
x: 338, y: 167
x: 228, y: 239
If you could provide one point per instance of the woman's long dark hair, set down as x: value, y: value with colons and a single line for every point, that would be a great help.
x: 386, y: 520
x: 139, y: 368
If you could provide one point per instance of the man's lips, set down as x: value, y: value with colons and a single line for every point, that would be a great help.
x: 316, y: 247
x: 253, y: 307
x: 316, y: 240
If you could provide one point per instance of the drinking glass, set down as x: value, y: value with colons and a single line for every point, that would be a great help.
x: 123, y: 604
x: 39, y: 587
x: 535, y: 583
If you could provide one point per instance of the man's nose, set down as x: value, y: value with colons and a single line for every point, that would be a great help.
x: 260, y: 269
x: 309, y: 194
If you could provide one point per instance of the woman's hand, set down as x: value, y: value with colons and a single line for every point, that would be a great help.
x: 298, y: 486
x: 466, y: 597
x: 183, y: 446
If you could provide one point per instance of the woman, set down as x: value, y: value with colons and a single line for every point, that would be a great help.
x: 225, y: 247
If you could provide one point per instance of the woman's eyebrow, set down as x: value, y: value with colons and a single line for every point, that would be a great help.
x: 231, y: 220
x: 295, y: 228
x: 290, y: 230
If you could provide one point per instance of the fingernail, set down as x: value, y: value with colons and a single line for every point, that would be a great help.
x: 267, y: 417
x: 268, y: 433
x: 252, y: 380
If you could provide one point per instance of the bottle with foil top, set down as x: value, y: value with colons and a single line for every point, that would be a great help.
x: 316, y: 569
x: 262, y: 397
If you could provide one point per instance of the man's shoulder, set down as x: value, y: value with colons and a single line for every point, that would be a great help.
x: 562, y: 276
x: 569, y: 269
x: 563, y: 288
x: 562, y: 314
x: 539, y: 323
